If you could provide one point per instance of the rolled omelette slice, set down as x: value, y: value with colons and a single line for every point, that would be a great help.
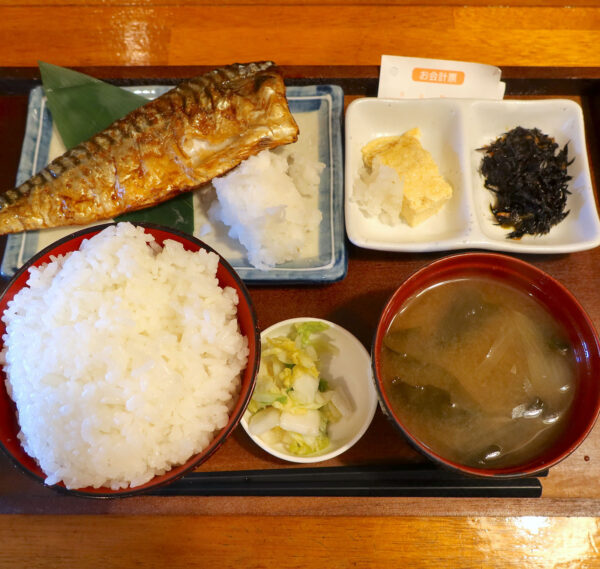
x: 425, y: 191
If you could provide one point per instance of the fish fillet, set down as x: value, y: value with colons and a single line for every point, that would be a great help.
x: 199, y: 130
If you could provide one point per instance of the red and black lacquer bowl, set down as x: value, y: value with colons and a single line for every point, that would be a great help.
x: 557, y: 300
x: 226, y: 275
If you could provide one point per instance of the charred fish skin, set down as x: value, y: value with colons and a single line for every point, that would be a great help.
x: 195, y: 132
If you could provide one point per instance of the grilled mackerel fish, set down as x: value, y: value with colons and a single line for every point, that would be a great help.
x: 195, y: 132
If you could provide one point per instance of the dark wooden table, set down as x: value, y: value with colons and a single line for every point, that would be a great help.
x: 570, y: 489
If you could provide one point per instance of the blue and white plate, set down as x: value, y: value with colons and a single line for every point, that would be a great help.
x: 317, y: 109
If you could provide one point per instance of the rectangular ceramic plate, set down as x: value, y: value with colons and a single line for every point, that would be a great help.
x: 318, y: 111
x: 452, y: 130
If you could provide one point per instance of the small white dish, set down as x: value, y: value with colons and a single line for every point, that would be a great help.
x: 452, y: 130
x: 352, y: 363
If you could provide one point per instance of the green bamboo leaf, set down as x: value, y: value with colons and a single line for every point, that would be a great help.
x: 82, y: 106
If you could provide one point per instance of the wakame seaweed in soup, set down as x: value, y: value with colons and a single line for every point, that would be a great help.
x: 479, y: 372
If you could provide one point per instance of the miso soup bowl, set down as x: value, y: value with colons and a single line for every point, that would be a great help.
x: 246, y: 316
x: 557, y: 300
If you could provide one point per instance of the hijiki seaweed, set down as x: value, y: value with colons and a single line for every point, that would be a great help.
x: 529, y: 179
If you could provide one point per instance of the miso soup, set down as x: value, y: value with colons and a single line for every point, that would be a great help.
x: 479, y: 372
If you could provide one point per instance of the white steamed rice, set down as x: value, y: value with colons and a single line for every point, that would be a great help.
x: 270, y: 204
x: 123, y: 359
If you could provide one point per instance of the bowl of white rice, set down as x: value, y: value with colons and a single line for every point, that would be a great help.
x: 129, y: 355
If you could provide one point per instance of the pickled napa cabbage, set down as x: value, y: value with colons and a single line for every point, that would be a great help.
x: 293, y: 404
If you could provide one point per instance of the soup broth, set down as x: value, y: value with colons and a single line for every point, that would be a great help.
x: 479, y: 372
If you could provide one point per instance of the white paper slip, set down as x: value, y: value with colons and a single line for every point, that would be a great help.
x: 419, y: 78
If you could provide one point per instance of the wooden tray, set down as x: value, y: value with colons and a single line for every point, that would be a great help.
x: 355, y: 303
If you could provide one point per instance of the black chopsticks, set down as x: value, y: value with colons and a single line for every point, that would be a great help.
x: 375, y: 481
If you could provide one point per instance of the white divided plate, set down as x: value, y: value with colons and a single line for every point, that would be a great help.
x: 351, y: 364
x: 317, y: 109
x: 452, y: 130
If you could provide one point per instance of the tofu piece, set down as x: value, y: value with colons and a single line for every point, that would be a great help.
x: 424, y: 190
